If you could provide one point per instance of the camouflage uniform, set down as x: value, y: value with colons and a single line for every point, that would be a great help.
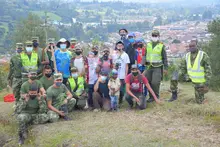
x: 31, y: 112
x: 199, y: 93
x: 14, y: 76
x: 59, y: 100
x: 53, y: 116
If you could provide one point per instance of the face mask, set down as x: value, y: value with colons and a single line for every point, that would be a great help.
x: 29, y: 49
x: 19, y: 51
x: 33, y: 78
x: 123, y: 35
x: 48, y: 75
x: 75, y: 75
x: 32, y: 96
x: 193, y: 50
x: 155, y: 39
x: 63, y: 46
x: 103, y: 78
x: 35, y: 44
x: 131, y: 40
x: 140, y: 45
x: 58, y: 84
x: 135, y: 73
x: 95, y: 53
x: 72, y: 46
x: 78, y: 53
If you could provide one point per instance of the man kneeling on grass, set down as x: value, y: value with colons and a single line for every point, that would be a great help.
x: 59, y: 100
x: 134, y: 89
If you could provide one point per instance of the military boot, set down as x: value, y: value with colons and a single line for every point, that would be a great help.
x: 21, y: 139
x: 173, y: 97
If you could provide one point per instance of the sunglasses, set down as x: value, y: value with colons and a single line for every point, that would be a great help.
x: 154, y: 35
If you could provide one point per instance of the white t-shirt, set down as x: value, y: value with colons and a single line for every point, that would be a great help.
x: 92, y: 62
x: 122, y: 60
x: 79, y: 64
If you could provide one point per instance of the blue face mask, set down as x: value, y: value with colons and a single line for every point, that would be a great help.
x: 19, y: 51
x: 103, y: 78
x: 63, y: 46
x: 131, y: 40
x: 75, y: 75
x: 58, y: 84
x: 29, y: 49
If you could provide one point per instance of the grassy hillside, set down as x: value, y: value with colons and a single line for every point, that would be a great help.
x: 179, y: 124
x: 51, y: 16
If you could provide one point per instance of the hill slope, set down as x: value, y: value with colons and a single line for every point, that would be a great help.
x: 180, y: 124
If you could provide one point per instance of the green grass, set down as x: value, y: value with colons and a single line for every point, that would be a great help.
x: 178, y: 124
x: 52, y: 16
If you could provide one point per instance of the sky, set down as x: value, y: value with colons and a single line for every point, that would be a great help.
x: 204, y: 1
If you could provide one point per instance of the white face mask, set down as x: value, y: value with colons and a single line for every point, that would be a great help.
x: 29, y: 49
x: 155, y: 39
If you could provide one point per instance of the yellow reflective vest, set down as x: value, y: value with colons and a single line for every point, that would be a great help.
x: 29, y: 63
x: 154, y: 54
x: 196, y: 71
x: 80, y: 83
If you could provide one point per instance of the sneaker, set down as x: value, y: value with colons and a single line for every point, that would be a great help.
x: 66, y: 118
x: 96, y: 110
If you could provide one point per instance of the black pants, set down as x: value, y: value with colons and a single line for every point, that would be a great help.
x: 121, y: 91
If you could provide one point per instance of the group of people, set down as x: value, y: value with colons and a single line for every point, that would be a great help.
x: 51, y: 82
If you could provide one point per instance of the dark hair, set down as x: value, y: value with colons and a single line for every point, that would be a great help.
x: 33, y: 87
x: 47, y: 67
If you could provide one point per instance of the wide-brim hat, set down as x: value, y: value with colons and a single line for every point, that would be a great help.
x: 62, y: 40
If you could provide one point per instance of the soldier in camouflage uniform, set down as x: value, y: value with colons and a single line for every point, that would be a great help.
x: 59, y: 100
x: 14, y: 76
x: 197, y: 68
x: 31, y: 109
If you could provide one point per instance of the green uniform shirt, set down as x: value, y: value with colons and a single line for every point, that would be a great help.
x: 46, y: 83
x: 32, y: 106
x: 25, y: 86
x: 54, y: 93
x: 15, y: 67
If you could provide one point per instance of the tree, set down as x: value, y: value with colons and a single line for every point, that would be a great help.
x: 213, y: 50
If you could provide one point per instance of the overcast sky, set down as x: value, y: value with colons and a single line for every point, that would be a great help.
x: 204, y: 1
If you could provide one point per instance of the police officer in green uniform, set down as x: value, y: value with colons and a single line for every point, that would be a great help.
x: 30, y: 61
x: 77, y: 86
x: 197, y: 68
x: 156, y: 62
x: 14, y: 76
x: 42, y: 53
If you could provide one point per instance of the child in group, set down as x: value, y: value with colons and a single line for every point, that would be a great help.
x: 114, y: 85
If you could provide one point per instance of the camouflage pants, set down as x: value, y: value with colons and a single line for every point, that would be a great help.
x: 173, y: 85
x: 24, y: 119
x: 54, y: 117
x: 16, y: 86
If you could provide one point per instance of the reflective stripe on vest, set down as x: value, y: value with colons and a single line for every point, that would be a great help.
x: 154, y: 54
x: 196, y: 72
x: 29, y: 63
x: 80, y: 83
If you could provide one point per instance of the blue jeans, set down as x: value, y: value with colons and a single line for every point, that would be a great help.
x: 114, y: 102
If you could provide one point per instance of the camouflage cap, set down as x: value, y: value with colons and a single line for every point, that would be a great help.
x: 58, y: 76
x: 28, y: 43
x: 73, y: 40
x: 33, y: 87
x: 51, y: 40
x: 35, y: 39
x: 74, y: 69
x: 134, y: 66
x: 19, y: 45
x: 156, y: 32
